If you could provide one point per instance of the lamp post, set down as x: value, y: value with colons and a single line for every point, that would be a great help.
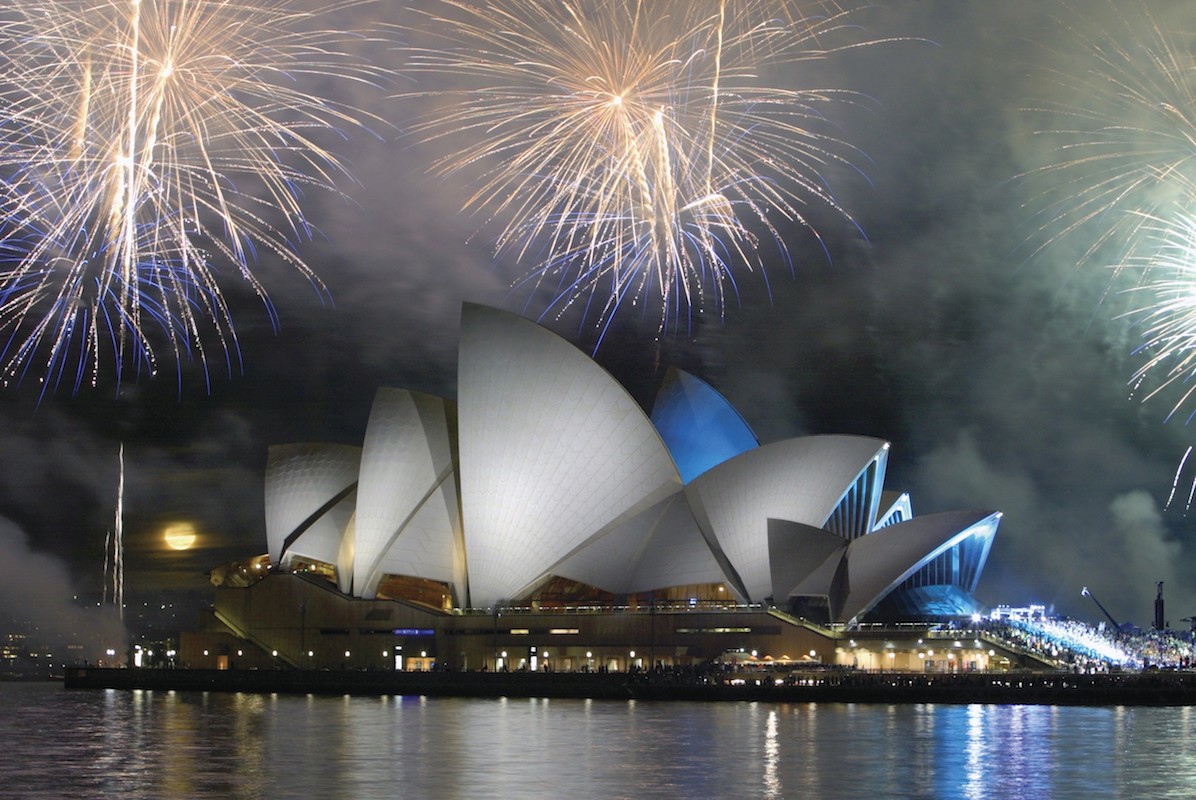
x: 652, y: 632
x: 494, y: 638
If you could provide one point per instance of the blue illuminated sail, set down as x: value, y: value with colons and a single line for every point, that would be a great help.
x: 698, y: 425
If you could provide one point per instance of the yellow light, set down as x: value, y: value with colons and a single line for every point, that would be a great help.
x: 180, y: 535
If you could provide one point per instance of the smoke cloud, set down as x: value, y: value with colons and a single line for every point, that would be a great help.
x: 998, y: 373
x: 37, y: 595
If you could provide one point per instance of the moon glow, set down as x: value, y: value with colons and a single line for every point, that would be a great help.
x: 180, y: 535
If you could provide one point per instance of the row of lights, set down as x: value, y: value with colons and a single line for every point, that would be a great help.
x: 813, y: 654
x: 589, y: 654
x: 311, y: 653
x: 929, y: 653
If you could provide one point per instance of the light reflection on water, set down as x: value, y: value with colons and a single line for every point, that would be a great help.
x: 165, y: 744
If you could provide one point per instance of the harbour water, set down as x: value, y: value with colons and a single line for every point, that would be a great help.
x: 160, y: 744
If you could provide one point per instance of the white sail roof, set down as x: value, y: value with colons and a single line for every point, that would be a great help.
x: 800, y: 480
x: 553, y: 450
x: 303, y: 482
x: 407, y: 521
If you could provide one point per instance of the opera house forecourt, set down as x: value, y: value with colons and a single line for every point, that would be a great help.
x: 544, y: 522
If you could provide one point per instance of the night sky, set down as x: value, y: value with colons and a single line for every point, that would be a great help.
x: 998, y: 374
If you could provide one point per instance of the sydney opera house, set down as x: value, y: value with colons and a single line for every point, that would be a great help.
x: 543, y: 520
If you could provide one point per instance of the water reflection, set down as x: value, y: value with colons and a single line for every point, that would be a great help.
x: 975, y: 788
x: 772, y: 749
x: 164, y: 744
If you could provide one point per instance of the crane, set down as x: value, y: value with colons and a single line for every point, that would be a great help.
x: 1087, y: 593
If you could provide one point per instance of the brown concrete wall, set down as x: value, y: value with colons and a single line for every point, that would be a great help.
x: 296, y: 616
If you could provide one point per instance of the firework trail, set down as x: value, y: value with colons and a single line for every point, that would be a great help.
x: 631, y: 151
x: 114, y: 546
x: 145, y: 145
x: 1167, y: 313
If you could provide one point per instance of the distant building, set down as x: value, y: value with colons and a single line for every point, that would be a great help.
x: 545, y: 509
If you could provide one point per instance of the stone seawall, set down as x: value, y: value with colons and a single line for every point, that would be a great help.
x: 1146, y: 688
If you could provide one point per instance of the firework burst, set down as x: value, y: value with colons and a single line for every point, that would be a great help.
x: 633, y: 152
x: 145, y: 145
x: 1123, y: 145
x: 1122, y: 179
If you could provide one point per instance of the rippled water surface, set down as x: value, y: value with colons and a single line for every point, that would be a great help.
x: 164, y: 744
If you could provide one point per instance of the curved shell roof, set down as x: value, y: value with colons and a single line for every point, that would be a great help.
x: 407, y: 520
x: 547, y: 466
x: 802, y: 555
x: 660, y: 547
x: 879, y: 562
x: 552, y: 449
x: 801, y: 480
x: 301, y: 479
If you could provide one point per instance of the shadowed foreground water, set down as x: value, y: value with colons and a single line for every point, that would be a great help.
x: 140, y: 744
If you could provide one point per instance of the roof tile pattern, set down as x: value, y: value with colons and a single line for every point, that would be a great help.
x: 300, y: 479
x: 800, y: 480
x: 553, y: 449
x: 659, y: 547
x: 406, y: 500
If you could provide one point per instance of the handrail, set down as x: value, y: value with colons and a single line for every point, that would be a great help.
x: 254, y: 640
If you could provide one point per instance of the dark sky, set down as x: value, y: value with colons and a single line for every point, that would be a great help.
x: 997, y: 375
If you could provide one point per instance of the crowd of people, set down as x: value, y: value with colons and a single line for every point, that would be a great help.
x: 1163, y: 649
x: 1087, y: 648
